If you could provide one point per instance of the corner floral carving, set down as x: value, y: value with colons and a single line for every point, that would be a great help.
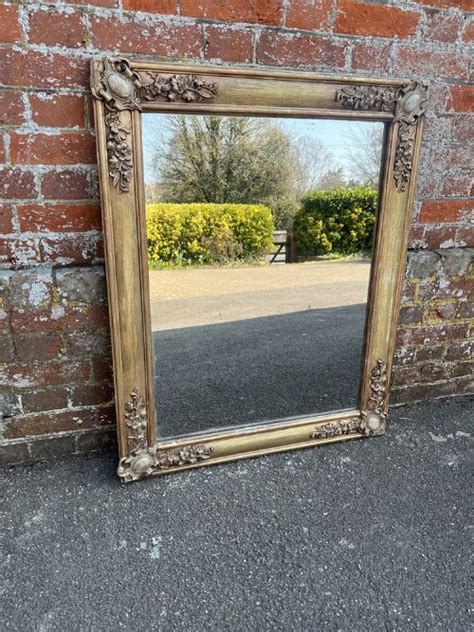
x: 136, y: 420
x: 365, y: 98
x: 407, y: 103
x: 374, y: 417
x: 371, y: 421
x: 150, y: 461
x: 121, y: 88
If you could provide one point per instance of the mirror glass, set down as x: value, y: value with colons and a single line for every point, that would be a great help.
x: 259, y: 236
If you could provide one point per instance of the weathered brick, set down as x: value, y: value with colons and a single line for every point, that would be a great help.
x: 423, y: 62
x: 52, y: 149
x: 456, y: 186
x: 439, y: 236
x: 17, y: 183
x: 53, y: 28
x: 309, y: 15
x: 67, y: 184
x: 434, y: 211
x: 466, y: 5
x: 30, y: 287
x: 55, y: 110
x: 43, y: 70
x: 360, y: 18
x: 455, y: 261
x: 159, y: 39
x: 50, y: 399
x: 92, y: 394
x: 461, y: 350
x: 11, y: 108
x: 253, y: 11
x: 67, y: 250
x: 59, y: 217
x: 443, y: 27
x: 40, y: 347
x: 6, y: 219
x: 228, y: 44
x: 97, y: 439
x: 10, y: 405
x: 410, y: 314
x: 462, y: 99
x: 151, y: 6
x: 423, y: 264
x: 19, y: 251
x: 51, y: 422
x: 10, y: 33
x: 282, y: 49
x: 371, y: 57
x: 84, y: 285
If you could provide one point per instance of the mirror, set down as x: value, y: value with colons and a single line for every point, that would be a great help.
x: 259, y: 240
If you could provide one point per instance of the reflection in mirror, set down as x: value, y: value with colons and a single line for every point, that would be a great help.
x: 259, y: 248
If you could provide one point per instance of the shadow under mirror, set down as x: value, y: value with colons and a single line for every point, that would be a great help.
x: 259, y: 237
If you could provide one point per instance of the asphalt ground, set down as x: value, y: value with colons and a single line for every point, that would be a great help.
x: 360, y: 536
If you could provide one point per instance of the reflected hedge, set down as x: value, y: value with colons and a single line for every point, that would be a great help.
x: 190, y: 234
x: 336, y: 221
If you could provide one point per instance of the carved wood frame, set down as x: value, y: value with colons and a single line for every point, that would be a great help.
x: 122, y: 90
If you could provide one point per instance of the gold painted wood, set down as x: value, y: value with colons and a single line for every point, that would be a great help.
x: 122, y: 89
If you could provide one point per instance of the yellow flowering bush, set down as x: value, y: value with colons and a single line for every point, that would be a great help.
x: 185, y: 234
x: 338, y: 221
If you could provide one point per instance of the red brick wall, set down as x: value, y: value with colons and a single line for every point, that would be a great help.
x: 55, y: 350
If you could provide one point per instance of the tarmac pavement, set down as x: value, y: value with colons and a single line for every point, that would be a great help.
x: 360, y: 536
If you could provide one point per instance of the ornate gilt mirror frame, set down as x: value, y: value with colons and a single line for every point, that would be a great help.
x: 122, y: 90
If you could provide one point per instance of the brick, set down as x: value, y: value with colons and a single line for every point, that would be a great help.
x: 102, y: 368
x: 228, y: 44
x: 60, y: 319
x: 456, y: 186
x: 455, y: 261
x: 10, y: 33
x: 466, y: 5
x: 18, y: 251
x: 34, y: 69
x: 14, y: 453
x: 51, y: 399
x: 54, y: 110
x: 43, y: 374
x: 97, y: 439
x: 53, y: 28
x: 7, y: 351
x: 59, y: 217
x: 136, y: 37
x: 461, y: 99
x: 51, y: 422
x: 30, y: 288
x: 409, y: 315
x: 434, y: 211
x: 151, y: 6
x: 360, y: 18
x: 463, y: 129
x: 309, y: 15
x: 440, y: 236
x: 67, y: 184
x: 459, y: 351
x: 16, y: 184
x: 440, y: 312
x: 51, y: 445
x: 252, y: 11
x: 84, y: 285
x: 6, y: 219
x: 278, y: 49
x: 67, y: 250
x: 427, y: 353
x: 421, y: 62
x: 468, y: 34
x: 88, y: 342
x: 11, y: 108
x: 437, y: 333
x: 465, y: 236
x: 46, y: 149
x: 422, y: 264
x: 372, y: 57
x: 95, y: 3
x: 442, y: 27
x: 42, y: 347
x: 92, y: 394
x: 10, y: 405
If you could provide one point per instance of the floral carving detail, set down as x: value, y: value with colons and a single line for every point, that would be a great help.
x: 121, y: 88
x: 188, y: 88
x: 150, y: 461
x: 337, y: 428
x: 367, y: 98
x: 119, y: 152
x: 407, y: 103
x: 136, y: 420
x: 373, y: 419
